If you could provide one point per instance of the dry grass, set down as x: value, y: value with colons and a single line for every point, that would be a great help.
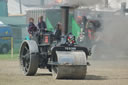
x: 99, y: 73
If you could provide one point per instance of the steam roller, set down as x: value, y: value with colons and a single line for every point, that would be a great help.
x: 65, y: 59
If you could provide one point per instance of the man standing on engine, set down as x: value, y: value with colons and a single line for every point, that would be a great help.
x: 41, y: 24
x: 32, y: 29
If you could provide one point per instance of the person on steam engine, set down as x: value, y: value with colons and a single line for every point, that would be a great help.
x: 41, y: 24
x: 58, y: 32
x: 32, y: 29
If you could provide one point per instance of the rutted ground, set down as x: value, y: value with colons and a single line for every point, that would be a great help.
x: 114, y: 72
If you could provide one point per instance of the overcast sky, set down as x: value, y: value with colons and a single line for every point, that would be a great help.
x: 13, y: 5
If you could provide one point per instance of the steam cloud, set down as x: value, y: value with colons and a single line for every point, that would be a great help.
x: 114, y: 40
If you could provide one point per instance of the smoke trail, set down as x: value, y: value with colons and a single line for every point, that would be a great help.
x: 114, y: 37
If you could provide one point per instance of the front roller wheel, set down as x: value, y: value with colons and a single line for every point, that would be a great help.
x: 28, y: 60
x: 71, y: 65
x: 69, y: 72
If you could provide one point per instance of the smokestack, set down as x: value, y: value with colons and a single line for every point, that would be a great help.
x: 65, y: 18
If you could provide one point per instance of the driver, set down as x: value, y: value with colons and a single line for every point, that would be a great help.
x: 58, y: 31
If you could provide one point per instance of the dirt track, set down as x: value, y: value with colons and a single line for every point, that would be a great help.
x: 100, y: 73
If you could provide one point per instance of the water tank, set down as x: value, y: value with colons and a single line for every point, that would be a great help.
x: 3, y: 8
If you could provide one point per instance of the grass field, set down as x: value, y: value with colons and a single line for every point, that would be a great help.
x: 8, y: 56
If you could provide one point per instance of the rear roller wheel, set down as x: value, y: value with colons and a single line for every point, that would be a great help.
x: 28, y: 60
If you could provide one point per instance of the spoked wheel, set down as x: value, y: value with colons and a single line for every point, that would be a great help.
x: 28, y: 60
